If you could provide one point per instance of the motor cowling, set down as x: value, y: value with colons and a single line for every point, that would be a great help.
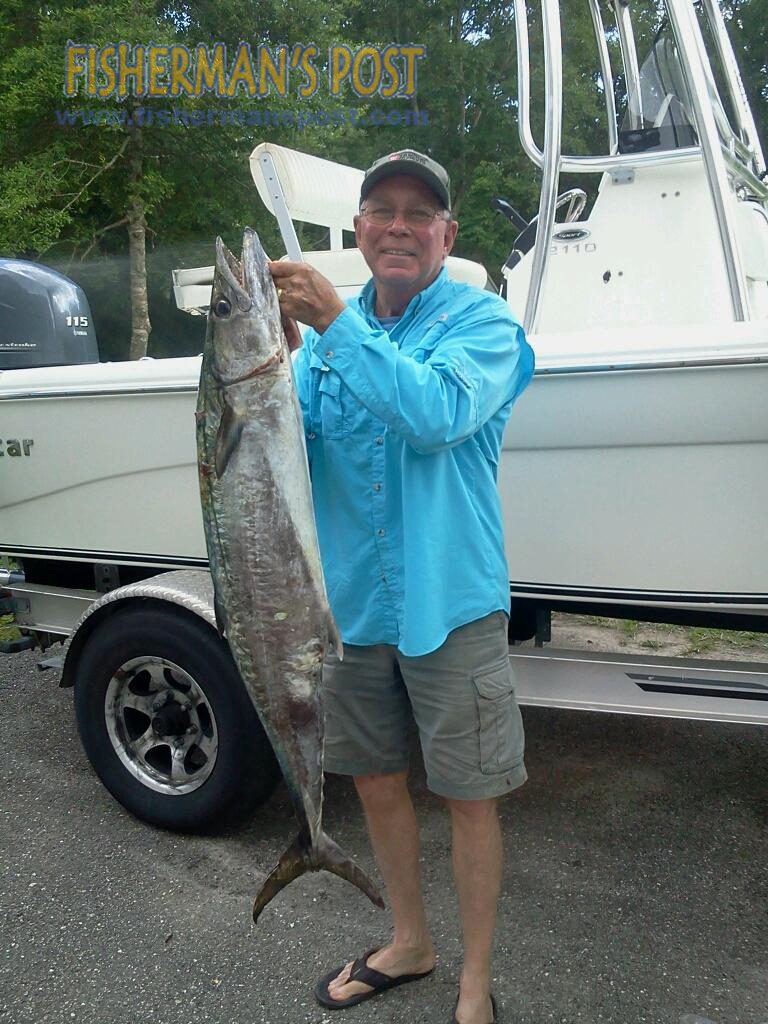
x: 45, y: 319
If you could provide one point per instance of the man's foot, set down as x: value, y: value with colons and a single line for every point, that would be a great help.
x: 475, y: 1010
x: 375, y: 972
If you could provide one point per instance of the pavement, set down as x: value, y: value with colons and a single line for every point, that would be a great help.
x: 635, y: 890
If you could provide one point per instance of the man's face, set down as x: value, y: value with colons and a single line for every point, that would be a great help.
x: 403, y: 256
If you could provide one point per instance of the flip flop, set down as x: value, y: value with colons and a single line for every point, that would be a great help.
x: 493, y: 1004
x: 368, y: 976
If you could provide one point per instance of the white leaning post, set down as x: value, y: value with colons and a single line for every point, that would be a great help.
x: 280, y: 207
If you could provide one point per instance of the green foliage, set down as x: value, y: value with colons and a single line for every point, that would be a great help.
x: 66, y: 190
x: 8, y: 631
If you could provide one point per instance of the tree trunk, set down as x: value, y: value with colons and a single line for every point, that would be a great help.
x: 140, y: 325
x: 137, y: 252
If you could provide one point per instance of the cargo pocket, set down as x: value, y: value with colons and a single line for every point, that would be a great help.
x: 502, y: 740
x: 332, y: 420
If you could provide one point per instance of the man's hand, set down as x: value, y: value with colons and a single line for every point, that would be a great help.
x: 305, y: 295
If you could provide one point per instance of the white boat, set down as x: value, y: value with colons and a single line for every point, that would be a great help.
x: 634, y: 476
x: 634, y: 471
x: 640, y: 452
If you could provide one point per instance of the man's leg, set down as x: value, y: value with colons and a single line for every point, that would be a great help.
x: 472, y: 739
x: 477, y: 866
x: 394, y: 836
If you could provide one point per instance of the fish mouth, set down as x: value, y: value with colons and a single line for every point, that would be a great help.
x: 231, y: 270
x: 248, y: 278
x: 256, y: 277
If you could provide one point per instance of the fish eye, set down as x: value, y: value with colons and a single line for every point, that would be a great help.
x: 222, y: 307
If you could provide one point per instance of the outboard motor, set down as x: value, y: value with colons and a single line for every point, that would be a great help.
x: 45, y: 319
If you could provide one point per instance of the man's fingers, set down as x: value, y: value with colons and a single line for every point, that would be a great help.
x: 305, y: 295
x: 282, y: 268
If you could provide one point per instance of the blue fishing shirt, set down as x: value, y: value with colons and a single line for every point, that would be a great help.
x: 404, y: 432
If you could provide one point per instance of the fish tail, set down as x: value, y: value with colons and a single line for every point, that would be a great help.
x: 332, y: 858
x: 322, y: 855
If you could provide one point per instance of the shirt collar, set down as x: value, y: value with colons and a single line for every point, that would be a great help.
x: 367, y: 298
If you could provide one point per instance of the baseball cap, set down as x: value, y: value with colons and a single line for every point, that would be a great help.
x: 408, y: 161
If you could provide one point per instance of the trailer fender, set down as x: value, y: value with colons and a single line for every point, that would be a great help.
x: 191, y: 589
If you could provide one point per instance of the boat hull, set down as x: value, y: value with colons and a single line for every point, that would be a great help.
x: 111, y: 475
x: 643, y: 487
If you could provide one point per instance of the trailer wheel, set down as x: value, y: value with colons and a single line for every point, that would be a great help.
x: 167, y: 723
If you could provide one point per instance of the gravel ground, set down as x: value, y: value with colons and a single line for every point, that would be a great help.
x: 622, y: 636
x: 635, y: 887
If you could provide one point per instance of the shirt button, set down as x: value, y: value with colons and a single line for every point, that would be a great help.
x: 379, y: 440
x: 329, y: 354
x: 377, y: 487
x: 311, y: 436
x: 381, y: 532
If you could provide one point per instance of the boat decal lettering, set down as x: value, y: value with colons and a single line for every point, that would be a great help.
x: 571, y: 235
x: 16, y: 448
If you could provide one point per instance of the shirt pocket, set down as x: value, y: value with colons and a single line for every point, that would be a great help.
x: 502, y: 740
x: 330, y: 418
x: 426, y: 345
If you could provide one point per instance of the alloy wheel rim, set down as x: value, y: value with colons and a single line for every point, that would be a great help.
x: 161, y: 725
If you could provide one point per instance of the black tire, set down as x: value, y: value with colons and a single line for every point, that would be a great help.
x: 143, y: 657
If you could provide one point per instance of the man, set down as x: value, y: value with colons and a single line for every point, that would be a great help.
x: 405, y: 391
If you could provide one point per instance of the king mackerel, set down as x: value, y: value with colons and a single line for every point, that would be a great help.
x: 257, y: 511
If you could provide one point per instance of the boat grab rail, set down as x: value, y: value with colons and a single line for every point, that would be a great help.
x: 551, y: 155
x: 719, y: 159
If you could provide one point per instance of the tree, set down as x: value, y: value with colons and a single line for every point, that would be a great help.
x: 75, y: 189
x: 118, y: 204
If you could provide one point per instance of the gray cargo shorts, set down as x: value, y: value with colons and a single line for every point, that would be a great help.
x: 460, y: 696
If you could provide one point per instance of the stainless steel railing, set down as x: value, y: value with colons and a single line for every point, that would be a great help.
x: 631, y: 63
x: 735, y: 84
x: 553, y: 123
x: 694, y: 60
x: 607, y: 72
x: 722, y: 152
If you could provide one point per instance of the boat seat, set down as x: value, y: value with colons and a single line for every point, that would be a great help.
x: 346, y: 268
x: 302, y: 187
x: 298, y: 186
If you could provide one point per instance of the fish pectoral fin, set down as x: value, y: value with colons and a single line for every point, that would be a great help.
x: 335, y: 637
x: 324, y: 855
x: 228, y: 437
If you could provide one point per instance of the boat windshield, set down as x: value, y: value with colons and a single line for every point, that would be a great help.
x: 658, y: 112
